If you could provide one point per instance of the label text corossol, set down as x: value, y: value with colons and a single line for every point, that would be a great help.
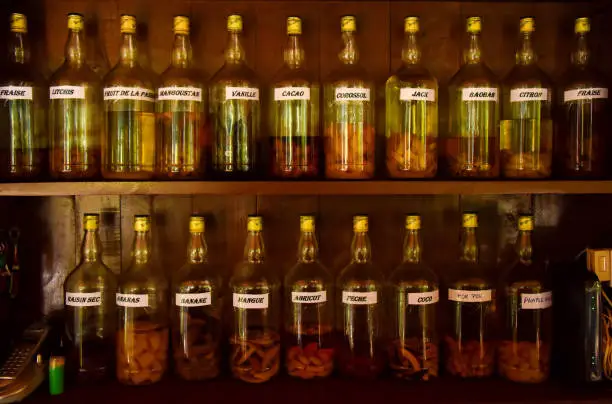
x: 357, y: 96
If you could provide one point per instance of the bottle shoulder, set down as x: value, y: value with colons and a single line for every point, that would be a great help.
x: 352, y: 75
x: 413, y: 75
x: 474, y: 75
x: 191, y: 276
x: 142, y: 275
x: 308, y: 272
x: 294, y: 77
x: 469, y: 275
x: 234, y: 74
x: 413, y: 273
x: 360, y: 272
x: 68, y: 74
x: 181, y: 77
x: 532, y: 275
x: 524, y: 76
x: 250, y: 274
x: 91, y: 276
x: 583, y: 77
x: 23, y: 74
x: 125, y: 76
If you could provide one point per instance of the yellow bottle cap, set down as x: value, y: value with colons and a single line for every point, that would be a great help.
x: 128, y: 24
x: 91, y: 221
x: 181, y: 25
x: 348, y: 24
x: 75, y: 22
x: 582, y: 25
x: 360, y: 224
x: 254, y: 223
x: 142, y: 223
x: 294, y: 26
x: 234, y: 23
x: 527, y: 24
x: 307, y: 224
x: 525, y: 223
x: 196, y: 224
x: 19, y: 23
x: 413, y: 222
x: 470, y: 220
x: 474, y: 25
x: 411, y: 25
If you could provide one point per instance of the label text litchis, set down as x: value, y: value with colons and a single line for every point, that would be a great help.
x: 67, y: 92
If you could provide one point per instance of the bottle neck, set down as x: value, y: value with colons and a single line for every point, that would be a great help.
x: 580, y: 55
x: 254, y: 248
x: 469, y: 246
x: 234, y: 53
x: 198, y: 250
x: 411, y: 53
x: 525, y: 55
x: 350, y: 53
x: 128, y: 53
x: 91, y: 248
x: 412, y: 247
x: 473, y: 53
x: 141, y: 249
x: 525, y: 250
x: 308, y: 249
x: 181, y: 51
x: 75, y: 49
x: 294, y: 53
x: 19, y: 48
x: 360, y: 248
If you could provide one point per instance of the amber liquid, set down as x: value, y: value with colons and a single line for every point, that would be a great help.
x: 412, y: 157
x: 349, y: 151
x: 310, y: 352
x: 471, y: 157
x: 295, y: 157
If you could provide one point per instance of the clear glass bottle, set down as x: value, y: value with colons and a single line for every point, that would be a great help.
x: 310, y: 313
x: 24, y: 143
x: 469, y: 344
x: 583, y: 149
x: 128, y: 142
x: 349, y: 113
x: 360, y: 309
x: 413, y: 353
x: 294, y: 139
x: 235, y: 111
x: 75, y: 113
x: 142, y: 300
x: 90, y: 314
x: 255, y: 338
x: 412, y: 113
x: 198, y: 301
x: 524, y: 352
x: 526, y: 134
x: 471, y: 148
x: 181, y: 116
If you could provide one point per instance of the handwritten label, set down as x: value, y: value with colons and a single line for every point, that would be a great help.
x: 83, y: 299
x: 479, y: 94
x: 470, y: 296
x: 528, y: 94
x: 352, y: 94
x: 309, y: 297
x: 67, y: 92
x: 359, y: 297
x: 583, y: 94
x: 180, y: 94
x: 291, y: 93
x: 246, y: 301
x: 193, y: 299
x: 132, y: 300
x: 533, y: 301
x: 242, y: 93
x: 417, y: 94
x: 128, y: 93
x: 419, y: 299
x: 15, y: 93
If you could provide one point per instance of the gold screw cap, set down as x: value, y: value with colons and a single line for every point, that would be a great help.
x: 411, y: 25
x: 527, y: 24
x: 474, y: 25
x: 254, y: 223
x: 413, y: 222
x: 582, y: 25
x: 196, y: 224
x: 348, y: 23
x: 470, y: 220
x: 360, y: 224
x: 180, y: 25
x: 234, y: 23
x: 19, y: 23
x: 294, y: 26
x: 525, y: 223
x: 91, y: 221
x: 142, y: 223
x: 75, y: 22
x: 307, y: 224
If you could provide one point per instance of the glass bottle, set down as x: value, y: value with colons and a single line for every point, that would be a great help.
x: 309, y: 315
x: 142, y: 300
x: 181, y: 117
x: 598, y: 342
x: 75, y: 111
x: 524, y: 352
x: 349, y: 113
x: 23, y: 144
x: 294, y: 139
x: 412, y: 113
x: 198, y: 298
x: 526, y: 134
x: 235, y: 110
x: 128, y: 142
x: 360, y: 309
x: 90, y: 310
x: 470, y: 349
x: 413, y: 353
x: 471, y: 150
x: 255, y: 339
x: 583, y: 124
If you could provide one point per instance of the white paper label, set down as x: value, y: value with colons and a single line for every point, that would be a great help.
x: 242, y: 93
x: 417, y: 94
x: 83, y: 299
x: 582, y: 94
x: 359, y: 297
x: 418, y: 299
x: 15, y: 93
x: 479, y: 94
x: 470, y: 296
x: 528, y: 94
x: 532, y: 301
x: 352, y: 94
x: 245, y: 301
x: 291, y: 93
x: 132, y: 300
x: 128, y: 93
x: 67, y: 92
x: 180, y: 94
x: 193, y: 299
x: 309, y: 297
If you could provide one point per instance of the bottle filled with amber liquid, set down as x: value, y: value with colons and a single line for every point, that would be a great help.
x: 128, y: 141
x: 294, y: 135
x: 255, y: 320
x: 181, y: 117
x: 23, y: 102
x: 414, y: 295
x: 75, y: 113
x: 235, y: 111
x: 359, y: 316
x: 197, y: 306
x: 412, y: 113
x: 309, y: 313
x: 89, y: 310
x: 471, y: 148
x: 349, y: 113
x: 524, y: 351
x: 469, y: 343
x: 142, y: 303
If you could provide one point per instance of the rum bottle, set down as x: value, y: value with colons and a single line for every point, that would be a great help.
x: 24, y: 143
x: 472, y: 150
x: 309, y: 315
x: 75, y: 111
x: 181, y: 117
x: 294, y: 139
x: 526, y: 134
x: 412, y: 113
x: 349, y: 113
x: 255, y: 326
